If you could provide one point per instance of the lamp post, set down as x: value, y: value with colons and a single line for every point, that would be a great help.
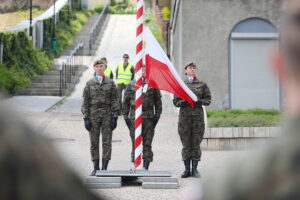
x: 30, y: 19
x: 69, y: 11
x: 54, y: 42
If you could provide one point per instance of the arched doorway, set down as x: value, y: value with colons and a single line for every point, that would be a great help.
x: 252, y: 84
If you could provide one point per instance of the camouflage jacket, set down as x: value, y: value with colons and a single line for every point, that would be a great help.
x: 100, y: 100
x: 152, y: 105
x: 201, y: 91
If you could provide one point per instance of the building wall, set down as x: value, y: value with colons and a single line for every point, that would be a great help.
x: 206, y: 26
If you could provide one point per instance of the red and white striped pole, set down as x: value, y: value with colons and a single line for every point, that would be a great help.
x: 139, y: 82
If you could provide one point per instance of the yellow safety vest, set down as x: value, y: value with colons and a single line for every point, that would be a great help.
x: 124, y: 76
x: 107, y: 71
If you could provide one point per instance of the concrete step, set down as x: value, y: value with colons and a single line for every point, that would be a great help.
x: 34, y: 93
x: 44, y: 85
x: 102, y: 185
x: 158, y: 185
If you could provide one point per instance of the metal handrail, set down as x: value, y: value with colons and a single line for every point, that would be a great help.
x: 94, y: 33
x: 69, y: 68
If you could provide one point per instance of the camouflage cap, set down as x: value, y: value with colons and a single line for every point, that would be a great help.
x: 190, y: 64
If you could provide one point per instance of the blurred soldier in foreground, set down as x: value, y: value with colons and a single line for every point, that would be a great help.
x: 152, y: 108
x: 275, y: 172
x: 29, y: 168
x: 100, y: 110
x: 191, y: 121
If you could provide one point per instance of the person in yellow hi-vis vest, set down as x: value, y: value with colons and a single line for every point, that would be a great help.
x: 108, y: 71
x: 124, y: 75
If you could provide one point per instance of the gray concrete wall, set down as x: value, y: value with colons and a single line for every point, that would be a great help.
x: 206, y: 27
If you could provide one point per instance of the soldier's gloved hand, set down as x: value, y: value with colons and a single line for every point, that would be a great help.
x: 128, y: 122
x: 155, y: 120
x: 198, y: 103
x: 113, y: 123
x: 184, y: 103
x: 87, y: 124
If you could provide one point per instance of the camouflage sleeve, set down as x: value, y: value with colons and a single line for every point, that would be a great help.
x: 85, y: 108
x: 176, y: 101
x: 115, y: 101
x: 206, y: 99
x: 132, y: 71
x: 111, y: 75
x: 126, y: 102
x: 157, y: 103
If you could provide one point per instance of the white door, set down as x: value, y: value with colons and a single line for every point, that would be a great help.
x: 253, y: 84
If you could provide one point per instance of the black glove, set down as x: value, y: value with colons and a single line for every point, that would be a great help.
x: 184, y: 103
x: 113, y: 123
x: 87, y: 124
x: 155, y: 120
x: 198, y: 103
x: 128, y: 122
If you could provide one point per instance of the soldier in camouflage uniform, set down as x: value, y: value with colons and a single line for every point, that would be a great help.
x: 272, y: 173
x: 191, y: 121
x: 100, y: 110
x: 29, y: 167
x: 152, y: 108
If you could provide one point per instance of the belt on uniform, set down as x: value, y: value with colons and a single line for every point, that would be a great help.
x: 101, y: 105
x: 147, y: 109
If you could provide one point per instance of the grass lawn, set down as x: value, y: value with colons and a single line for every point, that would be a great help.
x: 243, y: 118
x: 11, y: 19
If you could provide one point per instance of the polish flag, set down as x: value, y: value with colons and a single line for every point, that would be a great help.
x: 160, y: 72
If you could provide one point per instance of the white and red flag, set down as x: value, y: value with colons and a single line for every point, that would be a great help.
x: 160, y: 72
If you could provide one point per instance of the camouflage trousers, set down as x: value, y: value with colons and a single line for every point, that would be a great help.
x: 191, y: 131
x: 120, y: 88
x: 147, y: 134
x: 103, y: 125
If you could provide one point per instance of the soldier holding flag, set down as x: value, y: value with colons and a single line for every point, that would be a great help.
x: 191, y: 121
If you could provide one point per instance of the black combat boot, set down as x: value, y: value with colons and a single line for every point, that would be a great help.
x: 195, y: 172
x: 146, y: 165
x: 96, y: 167
x: 187, y: 170
x: 104, y: 164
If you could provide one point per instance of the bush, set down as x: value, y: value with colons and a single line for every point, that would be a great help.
x: 122, y: 7
x: 21, y: 62
x: 64, y: 31
x: 243, y: 118
x: 98, y: 8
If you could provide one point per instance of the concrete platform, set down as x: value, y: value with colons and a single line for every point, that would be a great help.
x: 103, y: 182
x: 132, y: 173
x: 157, y: 185
x: 102, y: 185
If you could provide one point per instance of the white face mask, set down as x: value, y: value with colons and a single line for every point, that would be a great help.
x: 99, y: 78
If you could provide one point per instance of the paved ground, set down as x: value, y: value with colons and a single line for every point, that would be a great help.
x: 64, y: 126
x: 71, y: 141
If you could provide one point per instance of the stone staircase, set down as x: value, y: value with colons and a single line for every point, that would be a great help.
x: 48, y: 84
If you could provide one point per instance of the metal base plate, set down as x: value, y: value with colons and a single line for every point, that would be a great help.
x: 132, y: 173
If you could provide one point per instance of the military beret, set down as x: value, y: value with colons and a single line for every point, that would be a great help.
x: 190, y: 64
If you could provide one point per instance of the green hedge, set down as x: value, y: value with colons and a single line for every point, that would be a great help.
x: 21, y: 62
x: 64, y: 31
x: 122, y: 7
x: 243, y: 118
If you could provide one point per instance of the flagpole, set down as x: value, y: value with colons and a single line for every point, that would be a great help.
x: 138, y: 88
